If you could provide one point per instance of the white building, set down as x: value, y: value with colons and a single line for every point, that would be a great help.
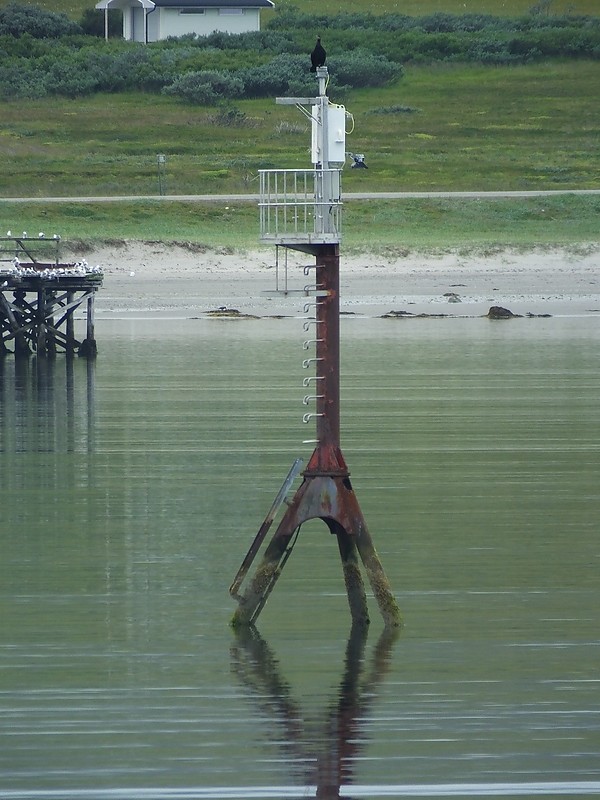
x: 152, y: 20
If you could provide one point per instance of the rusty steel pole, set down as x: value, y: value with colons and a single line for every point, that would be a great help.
x: 327, y: 458
x: 326, y: 492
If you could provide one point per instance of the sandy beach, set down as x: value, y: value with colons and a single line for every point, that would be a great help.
x: 153, y: 278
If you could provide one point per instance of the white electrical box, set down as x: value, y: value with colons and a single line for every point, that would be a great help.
x: 335, y: 125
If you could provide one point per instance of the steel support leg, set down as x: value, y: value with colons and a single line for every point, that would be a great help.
x: 331, y: 499
x: 355, y: 588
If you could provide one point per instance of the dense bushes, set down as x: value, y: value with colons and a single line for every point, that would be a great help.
x: 206, y: 88
x: 17, y: 19
x: 449, y: 37
x: 361, y: 68
x: 290, y: 18
x: 73, y: 67
x: 42, y: 53
x: 274, y: 77
x: 72, y: 71
x: 284, y: 74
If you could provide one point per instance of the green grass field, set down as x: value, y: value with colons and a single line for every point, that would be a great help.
x: 368, y: 225
x: 442, y: 127
x: 472, y: 128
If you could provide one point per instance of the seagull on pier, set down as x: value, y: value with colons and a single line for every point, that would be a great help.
x: 318, y: 56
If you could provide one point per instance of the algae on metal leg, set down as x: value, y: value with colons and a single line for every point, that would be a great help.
x: 386, y: 601
x: 355, y: 589
x: 259, y: 586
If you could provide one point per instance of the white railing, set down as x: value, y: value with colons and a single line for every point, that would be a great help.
x: 300, y: 205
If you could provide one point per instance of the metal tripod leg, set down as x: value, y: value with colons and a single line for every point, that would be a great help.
x: 386, y: 601
x: 331, y: 499
x: 355, y: 588
x: 268, y: 571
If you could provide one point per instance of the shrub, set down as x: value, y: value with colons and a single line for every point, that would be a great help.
x: 24, y: 46
x: 232, y: 117
x: 17, y: 19
x: 495, y: 52
x: 361, y: 69
x: 275, y: 77
x: 147, y: 68
x: 394, y: 110
x: 69, y: 78
x: 262, y: 41
x: 21, y: 81
x: 205, y: 88
x: 289, y: 74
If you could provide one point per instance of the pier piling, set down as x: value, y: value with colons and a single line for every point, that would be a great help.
x: 39, y: 299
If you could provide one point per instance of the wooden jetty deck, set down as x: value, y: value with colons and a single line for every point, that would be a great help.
x: 39, y: 296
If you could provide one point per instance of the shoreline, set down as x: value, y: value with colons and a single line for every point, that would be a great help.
x: 185, y: 281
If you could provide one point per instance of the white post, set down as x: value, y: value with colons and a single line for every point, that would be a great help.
x: 322, y: 177
x: 323, y: 104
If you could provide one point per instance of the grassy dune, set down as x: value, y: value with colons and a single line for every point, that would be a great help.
x: 415, y: 223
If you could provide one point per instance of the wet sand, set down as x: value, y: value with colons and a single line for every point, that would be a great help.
x: 187, y: 281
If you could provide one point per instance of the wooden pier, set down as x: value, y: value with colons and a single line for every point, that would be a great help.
x: 39, y: 296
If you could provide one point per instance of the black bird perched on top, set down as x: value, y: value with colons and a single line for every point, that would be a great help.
x: 318, y: 56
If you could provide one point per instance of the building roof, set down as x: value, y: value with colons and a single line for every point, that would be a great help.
x: 150, y: 4
x: 214, y: 3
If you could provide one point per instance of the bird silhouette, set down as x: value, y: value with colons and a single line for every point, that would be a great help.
x: 318, y: 56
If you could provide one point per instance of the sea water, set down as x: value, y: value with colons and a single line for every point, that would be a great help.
x: 132, y: 487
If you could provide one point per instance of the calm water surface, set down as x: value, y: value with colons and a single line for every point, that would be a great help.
x: 132, y: 488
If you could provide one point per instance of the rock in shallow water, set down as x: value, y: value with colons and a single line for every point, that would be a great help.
x: 499, y: 312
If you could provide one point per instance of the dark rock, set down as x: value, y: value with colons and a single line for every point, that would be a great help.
x: 498, y: 312
x: 407, y: 315
x: 392, y: 314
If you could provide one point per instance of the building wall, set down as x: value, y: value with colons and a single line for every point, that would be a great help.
x: 134, y: 24
x: 153, y: 23
x: 174, y: 23
x: 138, y: 22
x: 163, y: 22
